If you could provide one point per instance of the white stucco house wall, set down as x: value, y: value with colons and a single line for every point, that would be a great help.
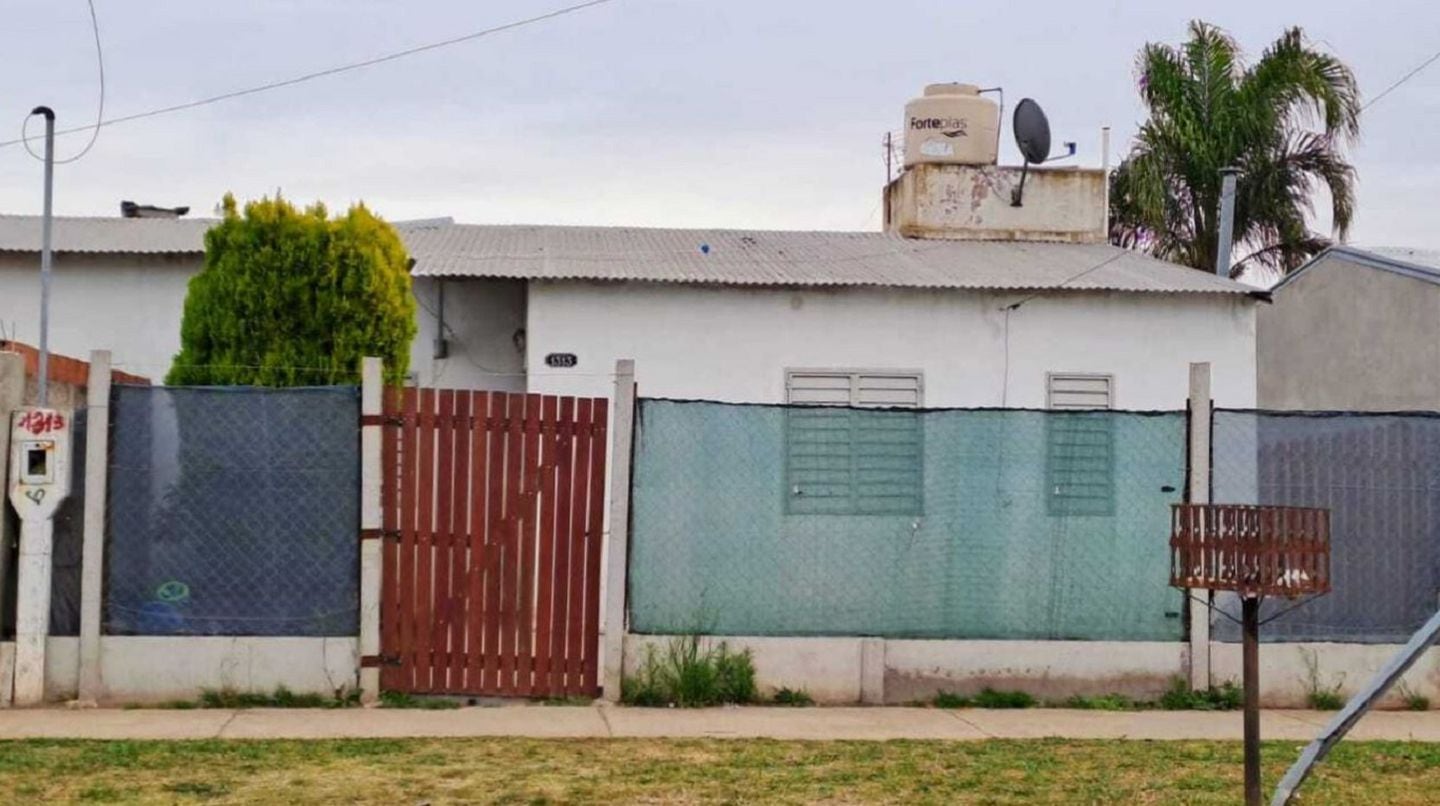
x: 725, y: 315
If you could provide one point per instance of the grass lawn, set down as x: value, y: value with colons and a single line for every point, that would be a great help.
x: 612, y: 770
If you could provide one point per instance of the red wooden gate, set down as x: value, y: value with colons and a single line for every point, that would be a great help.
x: 493, y: 506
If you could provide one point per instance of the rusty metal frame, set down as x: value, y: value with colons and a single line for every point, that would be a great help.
x: 1255, y: 551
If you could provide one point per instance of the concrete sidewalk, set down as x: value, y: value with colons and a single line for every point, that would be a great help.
x: 603, y: 721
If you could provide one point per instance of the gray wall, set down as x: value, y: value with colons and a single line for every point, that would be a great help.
x: 482, y: 318
x: 1346, y: 336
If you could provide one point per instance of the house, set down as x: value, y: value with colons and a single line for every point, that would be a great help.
x: 722, y: 314
x: 1353, y: 329
x: 976, y: 294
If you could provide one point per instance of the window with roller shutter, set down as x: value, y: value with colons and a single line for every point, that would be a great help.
x: 1079, y: 445
x: 843, y: 460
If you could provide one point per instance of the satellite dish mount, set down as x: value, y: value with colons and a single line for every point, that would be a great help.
x: 1032, y: 137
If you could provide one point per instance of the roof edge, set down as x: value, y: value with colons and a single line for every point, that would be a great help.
x: 1244, y: 291
x: 1365, y: 258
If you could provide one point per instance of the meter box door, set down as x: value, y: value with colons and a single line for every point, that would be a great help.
x: 39, y: 461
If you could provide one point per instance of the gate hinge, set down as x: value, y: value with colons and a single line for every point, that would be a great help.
x: 381, y: 419
x: 374, y: 661
x: 379, y: 534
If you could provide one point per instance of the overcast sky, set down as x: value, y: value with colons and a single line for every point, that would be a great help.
x: 704, y: 113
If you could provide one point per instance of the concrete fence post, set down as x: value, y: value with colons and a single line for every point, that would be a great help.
x: 623, y: 432
x: 1198, y: 457
x: 372, y: 380
x: 92, y: 562
x: 12, y: 396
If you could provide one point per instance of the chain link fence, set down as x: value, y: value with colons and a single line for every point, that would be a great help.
x: 233, y: 511
x: 1379, y: 475
x: 68, y: 538
x: 794, y: 520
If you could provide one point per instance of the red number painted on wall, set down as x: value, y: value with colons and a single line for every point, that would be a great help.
x: 42, y: 422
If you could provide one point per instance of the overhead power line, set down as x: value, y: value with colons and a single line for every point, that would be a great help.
x: 300, y: 79
x: 100, y: 108
x: 1401, y: 80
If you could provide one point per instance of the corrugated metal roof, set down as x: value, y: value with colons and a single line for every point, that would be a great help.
x: 1425, y: 258
x: 21, y: 233
x: 111, y: 235
x: 785, y: 258
x: 722, y: 257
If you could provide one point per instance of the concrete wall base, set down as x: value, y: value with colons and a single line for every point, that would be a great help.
x: 894, y: 672
x: 7, y: 672
x: 1050, y: 670
x: 881, y: 671
x: 150, y: 669
x: 1289, y: 672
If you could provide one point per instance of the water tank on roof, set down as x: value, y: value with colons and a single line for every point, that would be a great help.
x: 951, y: 123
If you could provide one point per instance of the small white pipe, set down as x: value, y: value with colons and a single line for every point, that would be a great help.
x: 1105, y: 169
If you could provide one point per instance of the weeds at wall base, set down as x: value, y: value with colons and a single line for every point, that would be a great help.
x: 1225, y: 697
x: 281, y: 697
x: 402, y: 699
x: 691, y: 674
x: 1180, y: 697
x: 794, y: 698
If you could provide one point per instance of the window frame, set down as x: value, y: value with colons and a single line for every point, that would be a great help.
x: 1051, y: 377
x: 1057, y: 505
x: 856, y: 377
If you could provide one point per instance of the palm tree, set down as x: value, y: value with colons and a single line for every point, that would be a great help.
x: 1208, y: 111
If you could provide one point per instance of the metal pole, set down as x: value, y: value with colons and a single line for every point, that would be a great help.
x: 45, y: 221
x: 1105, y: 168
x: 889, y: 151
x: 1227, y: 221
x: 1358, y: 706
x: 1250, y: 625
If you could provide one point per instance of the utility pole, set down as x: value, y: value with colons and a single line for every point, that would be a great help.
x: 45, y: 223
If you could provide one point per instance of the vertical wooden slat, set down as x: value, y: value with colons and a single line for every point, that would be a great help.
x: 475, y: 598
x: 559, y: 578
x: 545, y: 570
x: 494, y: 536
x: 390, y: 609
x: 509, y: 594
x: 460, y: 530
x: 425, y: 542
x: 575, y: 584
x: 594, y: 540
x: 441, y: 540
x: 529, y: 545
x: 409, y: 539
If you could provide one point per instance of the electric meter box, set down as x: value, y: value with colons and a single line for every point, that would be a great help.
x: 39, y: 461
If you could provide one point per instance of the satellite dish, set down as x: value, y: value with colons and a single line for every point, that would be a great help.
x: 1032, y: 137
x: 1032, y: 131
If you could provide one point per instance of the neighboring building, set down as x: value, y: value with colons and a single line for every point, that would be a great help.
x: 1353, y: 329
